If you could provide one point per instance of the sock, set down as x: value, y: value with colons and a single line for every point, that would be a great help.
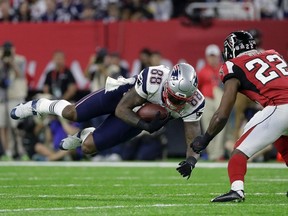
x: 281, y: 145
x: 237, y: 168
x: 237, y: 185
x: 54, y: 107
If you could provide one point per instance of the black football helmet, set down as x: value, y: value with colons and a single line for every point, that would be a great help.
x: 236, y: 43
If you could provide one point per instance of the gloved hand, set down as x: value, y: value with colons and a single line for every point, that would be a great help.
x: 155, y: 124
x: 201, y: 142
x: 185, y: 167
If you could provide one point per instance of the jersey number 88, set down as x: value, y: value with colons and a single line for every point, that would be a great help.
x: 156, y: 77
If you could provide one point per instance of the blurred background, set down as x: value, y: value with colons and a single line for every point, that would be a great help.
x: 67, y: 48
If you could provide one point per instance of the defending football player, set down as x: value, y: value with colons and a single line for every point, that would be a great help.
x: 175, y: 89
x: 263, y: 77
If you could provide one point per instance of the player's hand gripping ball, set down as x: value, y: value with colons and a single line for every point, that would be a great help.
x: 148, y: 112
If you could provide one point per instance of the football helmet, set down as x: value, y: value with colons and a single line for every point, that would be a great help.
x: 180, y: 86
x: 236, y: 43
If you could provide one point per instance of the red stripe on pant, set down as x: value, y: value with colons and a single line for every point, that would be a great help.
x: 239, y: 141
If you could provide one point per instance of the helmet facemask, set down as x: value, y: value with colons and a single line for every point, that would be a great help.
x: 173, y: 101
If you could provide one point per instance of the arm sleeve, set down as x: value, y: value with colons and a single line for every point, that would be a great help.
x: 141, y: 83
x: 229, y: 70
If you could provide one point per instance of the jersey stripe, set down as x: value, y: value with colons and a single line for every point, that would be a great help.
x: 200, y: 107
x: 144, y: 82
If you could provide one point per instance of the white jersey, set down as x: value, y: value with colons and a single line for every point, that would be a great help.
x: 150, y: 84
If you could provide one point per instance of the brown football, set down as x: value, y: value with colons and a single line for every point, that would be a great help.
x: 148, y: 111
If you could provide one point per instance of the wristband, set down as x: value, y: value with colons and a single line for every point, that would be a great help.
x: 207, y: 137
x: 192, y: 161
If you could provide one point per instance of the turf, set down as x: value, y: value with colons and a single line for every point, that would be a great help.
x: 157, y: 190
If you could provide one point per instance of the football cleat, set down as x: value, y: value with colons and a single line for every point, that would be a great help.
x: 71, y: 142
x: 24, y: 110
x: 230, y: 196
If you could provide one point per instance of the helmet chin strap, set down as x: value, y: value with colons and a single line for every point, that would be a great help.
x: 169, y: 104
x: 172, y: 107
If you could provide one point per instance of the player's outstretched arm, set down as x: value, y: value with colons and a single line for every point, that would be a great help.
x: 192, y: 129
x: 220, y: 117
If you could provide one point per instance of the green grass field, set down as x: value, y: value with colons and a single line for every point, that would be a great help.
x: 143, y: 189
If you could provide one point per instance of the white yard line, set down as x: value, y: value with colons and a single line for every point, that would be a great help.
x: 103, y: 185
x: 160, y: 205
x: 133, y: 164
x: 43, y: 196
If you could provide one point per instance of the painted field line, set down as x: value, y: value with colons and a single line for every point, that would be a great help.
x: 131, y: 207
x: 132, y: 164
x: 77, y: 196
x: 103, y: 185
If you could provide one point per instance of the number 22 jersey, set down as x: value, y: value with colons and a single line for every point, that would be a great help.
x: 263, y: 76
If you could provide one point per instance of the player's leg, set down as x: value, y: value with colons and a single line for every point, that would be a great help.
x: 60, y: 108
x: 237, y: 167
x: 93, y: 105
x: 281, y: 145
x: 43, y: 106
x: 262, y: 130
x: 111, y: 132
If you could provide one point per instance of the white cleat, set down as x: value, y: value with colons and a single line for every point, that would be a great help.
x: 24, y: 110
x: 71, y: 142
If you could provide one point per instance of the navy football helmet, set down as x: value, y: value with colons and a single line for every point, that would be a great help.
x: 236, y: 43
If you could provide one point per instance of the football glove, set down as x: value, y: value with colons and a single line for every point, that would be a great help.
x: 185, y: 167
x: 201, y: 142
x: 154, y: 125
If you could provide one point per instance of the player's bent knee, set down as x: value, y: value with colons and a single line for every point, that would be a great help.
x: 69, y: 112
x: 237, y: 151
x: 88, y: 146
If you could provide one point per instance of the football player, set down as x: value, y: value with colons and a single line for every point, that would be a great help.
x: 263, y: 77
x: 175, y: 89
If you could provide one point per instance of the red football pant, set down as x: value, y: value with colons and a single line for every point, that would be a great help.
x: 281, y: 145
x: 237, y: 167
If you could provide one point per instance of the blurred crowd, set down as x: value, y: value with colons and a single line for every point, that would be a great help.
x: 135, y: 10
x: 38, y: 138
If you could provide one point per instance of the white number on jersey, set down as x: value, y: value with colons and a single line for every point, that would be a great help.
x: 261, y: 74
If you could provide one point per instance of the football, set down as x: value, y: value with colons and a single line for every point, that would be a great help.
x: 148, y: 111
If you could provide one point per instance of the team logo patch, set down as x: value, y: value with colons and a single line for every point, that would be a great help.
x: 231, y: 41
x: 175, y: 72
